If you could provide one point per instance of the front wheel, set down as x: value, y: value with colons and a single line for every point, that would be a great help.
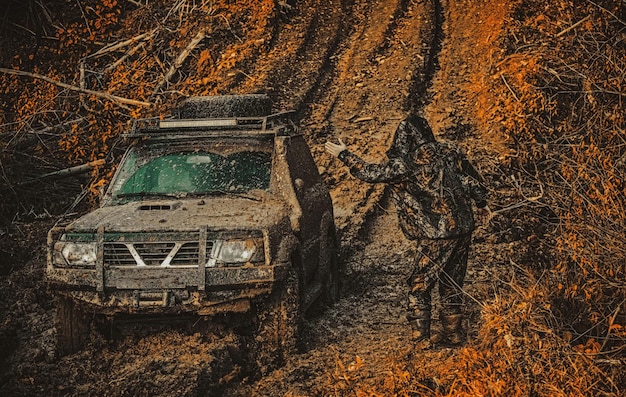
x: 277, y: 328
x: 73, y: 326
x: 331, y: 274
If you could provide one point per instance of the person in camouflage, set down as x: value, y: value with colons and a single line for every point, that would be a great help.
x: 432, y: 185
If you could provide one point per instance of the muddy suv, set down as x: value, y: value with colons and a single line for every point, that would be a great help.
x: 218, y: 209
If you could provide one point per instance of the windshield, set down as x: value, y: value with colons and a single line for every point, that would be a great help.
x: 179, y: 171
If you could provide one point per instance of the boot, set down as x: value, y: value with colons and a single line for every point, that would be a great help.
x: 451, y: 327
x: 420, y: 329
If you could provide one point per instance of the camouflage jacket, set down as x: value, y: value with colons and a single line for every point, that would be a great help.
x: 432, y: 189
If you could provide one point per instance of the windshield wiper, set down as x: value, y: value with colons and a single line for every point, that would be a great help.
x: 147, y: 194
x: 224, y: 193
x: 187, y: 194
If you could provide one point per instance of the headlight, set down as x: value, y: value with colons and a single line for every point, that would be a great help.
x: 79, y: 254
x: 240, y: 251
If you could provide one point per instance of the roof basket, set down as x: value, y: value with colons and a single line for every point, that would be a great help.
x: 274, y: 124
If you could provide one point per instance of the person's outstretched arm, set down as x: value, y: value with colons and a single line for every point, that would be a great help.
x: 386, y: 171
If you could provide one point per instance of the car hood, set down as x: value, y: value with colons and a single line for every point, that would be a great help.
x: 183, y: 215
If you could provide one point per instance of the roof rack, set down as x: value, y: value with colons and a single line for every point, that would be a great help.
x: 273, y: 124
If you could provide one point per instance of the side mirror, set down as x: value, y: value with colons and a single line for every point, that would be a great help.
x: 299, y: 184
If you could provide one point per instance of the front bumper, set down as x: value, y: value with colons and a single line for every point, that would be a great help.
x: 167, y: 290
x: 189, y: 285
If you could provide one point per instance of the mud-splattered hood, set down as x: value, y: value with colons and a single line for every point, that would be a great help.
x: 183, y: 215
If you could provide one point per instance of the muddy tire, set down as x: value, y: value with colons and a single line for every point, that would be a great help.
x: 225, y: 106
x: 73, y: 327
x: 329, y: 265
x: 277, y: 327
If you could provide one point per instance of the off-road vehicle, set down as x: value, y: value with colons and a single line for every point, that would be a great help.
x: 217, y: 209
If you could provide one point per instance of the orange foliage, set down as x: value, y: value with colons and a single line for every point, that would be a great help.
x: 235, y: 34
x: 553, y: 95
x: 562, y: 114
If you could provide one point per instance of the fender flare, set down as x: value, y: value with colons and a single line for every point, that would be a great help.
x: 327, y: 225
x: 290, y: 246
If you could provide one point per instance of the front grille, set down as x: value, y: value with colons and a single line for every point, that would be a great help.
x: 117, y: 254
x: 153, y: 253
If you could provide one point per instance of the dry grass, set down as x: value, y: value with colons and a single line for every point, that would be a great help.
x: 569, y: 140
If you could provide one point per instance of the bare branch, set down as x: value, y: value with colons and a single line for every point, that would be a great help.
x: 574, y: 26
x: 121, y: 44
x: 103, y: 95
x: 128, y: 54
x: 77, y: 170
x: 179, y: 61
x: 47, y: 129
x: 509, y: 87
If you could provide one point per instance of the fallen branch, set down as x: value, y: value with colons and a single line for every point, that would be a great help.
x: 103, y: 95
x: 509, y: 87
x: 118, y: 45
x: 128, y: 54
x: 138, y: 4
x: 81, y: 97
x: 64, y: 173
x: 574, y: 26
x: 45, y: 130
x: 179, y: 61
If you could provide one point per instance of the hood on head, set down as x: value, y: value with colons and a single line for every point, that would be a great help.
x: 412, y: 132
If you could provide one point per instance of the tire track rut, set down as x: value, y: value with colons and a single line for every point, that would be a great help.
x: 376, y: 73
x: 377, y: 70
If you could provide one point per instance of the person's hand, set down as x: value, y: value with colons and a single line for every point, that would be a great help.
x: 334, y: 149
x: 484, y: 215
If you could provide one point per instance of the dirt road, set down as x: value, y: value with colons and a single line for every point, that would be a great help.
x: 351, y: 69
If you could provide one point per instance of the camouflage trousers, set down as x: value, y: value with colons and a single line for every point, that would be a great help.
x: 443, y: 263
